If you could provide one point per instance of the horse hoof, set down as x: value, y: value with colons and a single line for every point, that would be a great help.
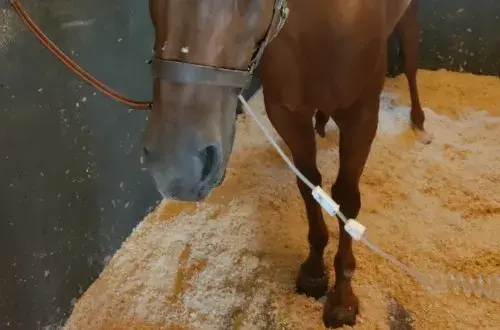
x: 340, y: 311
x: 423, y: 136
x: 339, y: 317
x: 312, y: 287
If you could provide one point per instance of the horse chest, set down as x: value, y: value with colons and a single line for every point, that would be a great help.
x: 328, y: 61
x: 338, y: 74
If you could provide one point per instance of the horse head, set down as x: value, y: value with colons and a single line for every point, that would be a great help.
x: 204, y: 55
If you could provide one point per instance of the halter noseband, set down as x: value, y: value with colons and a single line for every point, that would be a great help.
x: 189, y: 73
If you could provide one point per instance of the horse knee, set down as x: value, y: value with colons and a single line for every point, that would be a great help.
x: 347, y: 195
x: 312, y: 174
x: 417, y: 118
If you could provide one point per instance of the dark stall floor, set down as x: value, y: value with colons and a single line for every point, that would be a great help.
x: 71, y: 182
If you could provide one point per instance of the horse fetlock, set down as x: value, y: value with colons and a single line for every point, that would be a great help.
x: 344, y: 268
x: 348, y: 273
x: 311, y: 286
x: 313, y: 278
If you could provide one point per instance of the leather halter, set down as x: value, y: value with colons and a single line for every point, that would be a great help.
x: 190, y: 73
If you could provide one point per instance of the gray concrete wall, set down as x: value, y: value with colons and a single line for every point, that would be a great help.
x: 461, y: 35
x: 71, y: 183
x: 458, y: 35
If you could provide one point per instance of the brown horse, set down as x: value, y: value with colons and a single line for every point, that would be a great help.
x: 330, y: 55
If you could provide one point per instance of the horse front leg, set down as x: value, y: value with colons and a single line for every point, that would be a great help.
x: 357, y: 130
x: 295, y: 128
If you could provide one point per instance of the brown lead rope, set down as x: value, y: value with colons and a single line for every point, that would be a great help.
x: 70, y: 64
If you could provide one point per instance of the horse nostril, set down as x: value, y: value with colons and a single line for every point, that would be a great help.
x: 209, y: 158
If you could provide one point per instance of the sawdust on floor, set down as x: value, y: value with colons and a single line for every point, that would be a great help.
x: 231, y: 262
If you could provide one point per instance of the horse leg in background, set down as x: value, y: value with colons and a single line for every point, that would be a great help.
x: 320, y: 122
x: 394, y: 67
x: 408, y: 30
x: 295, y: 128
x: 357, y: 126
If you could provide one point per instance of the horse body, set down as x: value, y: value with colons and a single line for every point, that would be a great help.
x: 327, y: 53
x: 330, y: 56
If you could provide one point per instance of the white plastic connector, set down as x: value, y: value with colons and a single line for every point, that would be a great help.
x: 355, y: 229
x: 325, y: 201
